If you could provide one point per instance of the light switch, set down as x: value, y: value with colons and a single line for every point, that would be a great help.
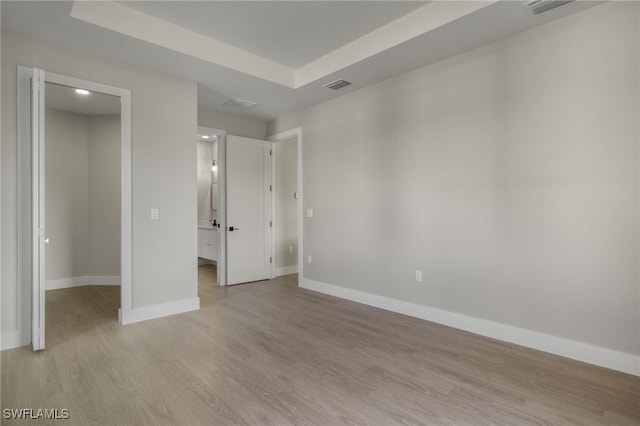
x: 155, y: 214
x: 309, y: 212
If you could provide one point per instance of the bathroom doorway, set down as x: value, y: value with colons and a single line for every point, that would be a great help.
x: 210, y: 183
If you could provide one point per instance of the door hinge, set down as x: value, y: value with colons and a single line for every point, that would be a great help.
x: 270, y: 224
x: 271, y: 260
x: 270, y: 188
x: 270, y: 152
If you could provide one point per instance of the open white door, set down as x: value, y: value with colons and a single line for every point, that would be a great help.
x: 248, y: 219
x: 37, y: 191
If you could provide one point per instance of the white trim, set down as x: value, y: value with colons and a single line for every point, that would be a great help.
x: 592, y: 354
x: 24, y: 203
x: 162, y: 310
x: 278, y: 137
x: 286, y: 270
x: 13, y: 339
x: 82, y: 281
x: 37, y: 209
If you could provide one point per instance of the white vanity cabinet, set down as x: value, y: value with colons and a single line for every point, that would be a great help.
x: 208, y: 243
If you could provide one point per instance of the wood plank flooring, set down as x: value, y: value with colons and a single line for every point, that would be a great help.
x: 269, y: 353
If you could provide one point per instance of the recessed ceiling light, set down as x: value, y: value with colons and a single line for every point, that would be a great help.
x: 82, y: 92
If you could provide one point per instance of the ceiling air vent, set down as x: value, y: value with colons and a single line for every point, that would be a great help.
x: 536, y: 7
x: 338, y: 84
x: 240, y: 103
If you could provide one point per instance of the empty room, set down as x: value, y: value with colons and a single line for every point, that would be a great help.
x: 320, y: 212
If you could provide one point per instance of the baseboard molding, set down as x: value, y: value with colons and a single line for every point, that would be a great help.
x: 286, y: 270
x: 608, y: 358
x: 13, y: 339
x: 162, y: 310
x: 82, y: 280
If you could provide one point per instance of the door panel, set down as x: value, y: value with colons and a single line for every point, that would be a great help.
x: 37, y: 191
x: 248, y: 170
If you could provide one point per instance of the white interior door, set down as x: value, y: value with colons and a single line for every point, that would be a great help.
x: 37, y: 191
x: 248, y: 221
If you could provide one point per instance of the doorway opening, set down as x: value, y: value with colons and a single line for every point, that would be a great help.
x: 210, y: 184
x: 82, y: 207
x: 75, y: 199
x: 288, y: 204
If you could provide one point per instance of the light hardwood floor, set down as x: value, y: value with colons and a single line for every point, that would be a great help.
x: 271, y: 353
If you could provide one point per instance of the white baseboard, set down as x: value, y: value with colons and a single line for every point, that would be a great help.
x: 286, y: 270
x: 13, y: 339
x: 82, y: 280
x: 162, y: 310
x: 615, y: 360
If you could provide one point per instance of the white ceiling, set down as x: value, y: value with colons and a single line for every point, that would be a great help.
x: 278, y: 54
x: 289, y: 33
x: 65, y: 98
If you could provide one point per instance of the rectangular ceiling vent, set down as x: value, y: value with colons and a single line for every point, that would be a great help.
x: 240, y: 103
x: 536, y: 7
x: 338, y: 84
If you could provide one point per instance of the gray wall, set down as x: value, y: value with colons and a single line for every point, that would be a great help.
x: 507, y: 174
x: 104, y: 195
x: 67, y: 194
x: 286, y: 183
x: 233, y: 124
x: 164, y: 171
x: 82, y: 178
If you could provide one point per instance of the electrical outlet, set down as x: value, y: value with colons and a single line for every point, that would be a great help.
x: 419, y: 276
x: 155, y: 214
x: 308, y: 259
x: 290, y: 249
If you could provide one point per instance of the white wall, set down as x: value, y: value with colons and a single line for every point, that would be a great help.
x: 66, y: 194
x: 233, y: 124
x: 507, y: 174
x: 286, y: 184
x: 104, y: 195
x: 164, y: 115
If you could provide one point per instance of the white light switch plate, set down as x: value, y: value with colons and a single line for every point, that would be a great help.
x: 155, y: 214
x: 309, y: 212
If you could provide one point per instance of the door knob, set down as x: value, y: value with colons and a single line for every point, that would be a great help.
x: 231, y: 228
x: 46, y: 240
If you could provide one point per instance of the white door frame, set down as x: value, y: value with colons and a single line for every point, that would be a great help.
x: 26, y: 175
x: 280, y: 137
x: 221, y: 263
x: 37, y: 206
